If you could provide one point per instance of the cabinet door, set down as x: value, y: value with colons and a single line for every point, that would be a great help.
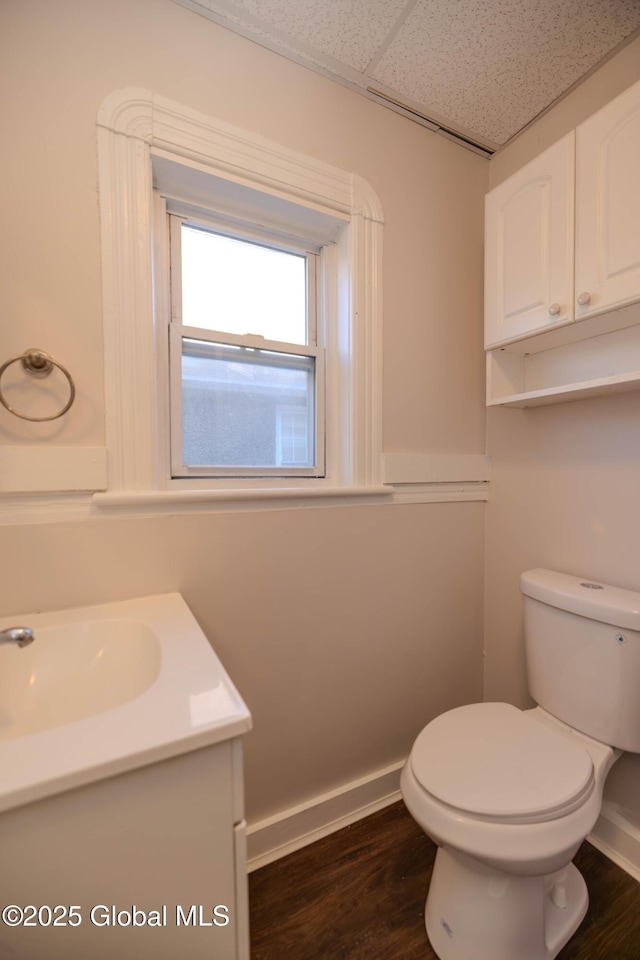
x: 529, y: 248
x: 608, y: 206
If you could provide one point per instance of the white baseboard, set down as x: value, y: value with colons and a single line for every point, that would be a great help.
x: 294, y: 828
x: 298, y: 826
x: 618, y: 839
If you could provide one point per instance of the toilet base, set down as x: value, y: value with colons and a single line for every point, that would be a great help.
x: 474, y: 912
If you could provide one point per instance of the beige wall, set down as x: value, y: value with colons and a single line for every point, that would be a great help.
x: 345, y: 628
x: 565, y: 478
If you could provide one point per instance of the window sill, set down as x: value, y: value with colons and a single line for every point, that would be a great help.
x: 67, y: 505
x: 172, y: 500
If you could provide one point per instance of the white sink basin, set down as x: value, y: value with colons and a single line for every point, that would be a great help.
x: 74, y: 671
x: 106, y: 689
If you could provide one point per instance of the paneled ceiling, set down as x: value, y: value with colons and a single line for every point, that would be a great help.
x: 479, y: 70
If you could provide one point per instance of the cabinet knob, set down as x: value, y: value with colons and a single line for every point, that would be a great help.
x: 554, y: 309
x: 584, y: 299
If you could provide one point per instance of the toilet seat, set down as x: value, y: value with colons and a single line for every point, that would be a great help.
x: 494, y: 762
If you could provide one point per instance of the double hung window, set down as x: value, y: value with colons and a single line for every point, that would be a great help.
x: 246, y: 357
x: 263, y: 265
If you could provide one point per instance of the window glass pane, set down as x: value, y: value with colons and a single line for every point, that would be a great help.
x: 243, y: 407
x: 238, y: 287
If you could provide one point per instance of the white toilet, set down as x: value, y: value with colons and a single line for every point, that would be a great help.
x: 509, y: 795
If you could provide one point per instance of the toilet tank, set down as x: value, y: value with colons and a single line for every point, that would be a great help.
x: 582, y: 643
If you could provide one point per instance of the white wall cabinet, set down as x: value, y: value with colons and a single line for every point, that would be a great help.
x: 559, y: 323
x: 529, y: 248
x: 608, y: 206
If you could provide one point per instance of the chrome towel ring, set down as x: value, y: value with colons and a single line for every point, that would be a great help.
x: 38, y: 364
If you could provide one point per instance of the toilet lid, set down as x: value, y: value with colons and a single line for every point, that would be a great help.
x: 494, y: 761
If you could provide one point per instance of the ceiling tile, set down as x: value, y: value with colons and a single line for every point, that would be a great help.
x: 349, y: 31
x: 479, y: 68
x: 490, y: 66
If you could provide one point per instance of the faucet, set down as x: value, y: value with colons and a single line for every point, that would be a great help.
x: 20, y: 635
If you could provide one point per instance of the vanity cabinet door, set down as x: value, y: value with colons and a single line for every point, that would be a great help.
x: 529, y: 248
x: 608, y: 206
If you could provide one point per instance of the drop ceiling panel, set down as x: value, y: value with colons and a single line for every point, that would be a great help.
x: 481, y: 68
x: 350, y: 31
x: 492, y: 65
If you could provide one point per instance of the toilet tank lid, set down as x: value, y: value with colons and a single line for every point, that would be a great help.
x: 587, y: 598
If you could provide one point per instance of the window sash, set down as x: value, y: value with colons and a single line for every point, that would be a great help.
x: 259, y: 349
x: 261, y: 238
x: 180, y: 332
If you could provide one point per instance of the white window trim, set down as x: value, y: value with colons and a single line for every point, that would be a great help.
x: 133, y: 124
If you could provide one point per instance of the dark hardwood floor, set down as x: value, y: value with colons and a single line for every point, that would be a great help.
x: 359, y: 895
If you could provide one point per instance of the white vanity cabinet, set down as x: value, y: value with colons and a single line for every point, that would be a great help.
x: 562, y: 266
x: 121, y: 795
